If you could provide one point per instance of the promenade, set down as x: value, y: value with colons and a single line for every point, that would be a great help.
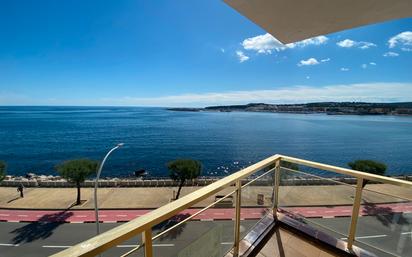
x: 154, y: 197
x: 124, y: 204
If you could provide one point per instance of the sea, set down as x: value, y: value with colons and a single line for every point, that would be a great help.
x: 36, y: 139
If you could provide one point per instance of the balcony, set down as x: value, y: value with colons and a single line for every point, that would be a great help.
x: 273, y: 208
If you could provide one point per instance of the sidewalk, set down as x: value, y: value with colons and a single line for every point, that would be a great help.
x: 124, y: 204
x: 154, y: 197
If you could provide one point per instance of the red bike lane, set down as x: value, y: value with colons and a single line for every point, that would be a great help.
x: 112, y: 216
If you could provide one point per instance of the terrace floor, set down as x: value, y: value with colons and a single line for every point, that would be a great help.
x: 285, y: 243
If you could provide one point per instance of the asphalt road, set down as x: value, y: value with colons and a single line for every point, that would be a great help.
x: 36, y: 239
x: 384, y: 235
x: 390, y: 233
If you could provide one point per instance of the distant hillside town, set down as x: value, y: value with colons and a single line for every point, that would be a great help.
x: 330, y: 108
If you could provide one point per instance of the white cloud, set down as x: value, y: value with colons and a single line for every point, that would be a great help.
x: 390, y: 54
x: 222, y: 50
x: 406, y: 49
x: 241, y: 56
x: 365, y: 45
x: 373, y: 63
x: 402, y: 39
x: 267, y: 43
x: 364, y: 66
x: 344, y: 69
x: 348, y: 43
x: 325, y: 60
x: 367, y: 92
x: 263, y: 44
x: 307, y: 77
x: 319, y: 40
x: 310, y: 61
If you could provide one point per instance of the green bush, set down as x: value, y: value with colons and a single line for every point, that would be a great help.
x: 368, y: 166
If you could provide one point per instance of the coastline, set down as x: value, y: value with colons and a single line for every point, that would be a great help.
x: 328, y: 108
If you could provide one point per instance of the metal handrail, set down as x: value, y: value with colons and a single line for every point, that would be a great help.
x: 144, y: 223
x: 344, y: 171
x: 318, y: 177
x: 346, y: 184
x: 115, y: 236
x: 181, y: 222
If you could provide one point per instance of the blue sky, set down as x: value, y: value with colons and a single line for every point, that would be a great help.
x: 188, y: 53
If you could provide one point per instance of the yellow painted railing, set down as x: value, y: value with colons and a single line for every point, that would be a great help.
x: 143, y: 225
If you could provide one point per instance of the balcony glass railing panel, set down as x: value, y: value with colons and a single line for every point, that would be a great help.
x: 132, y: 247
x: 385, y: 222
x: 257, y: 199
x: 209, y: 233
x: 319, y: 202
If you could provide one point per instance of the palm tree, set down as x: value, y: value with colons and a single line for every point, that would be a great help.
x: 76, y: 171
x: 181, y: 170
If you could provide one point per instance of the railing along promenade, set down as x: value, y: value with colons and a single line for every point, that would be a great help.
x: 233, y: 187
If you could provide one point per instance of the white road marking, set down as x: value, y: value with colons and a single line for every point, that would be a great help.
x: 154, y: 245
x: 4, y: 215
x: 375, y: 236
x: 80, y: 216
x: 363, y: 237
x: 121, y: 215
x: 22, y: 215
x: 56, y: 246
x: 226, y: 243
x: 219, y: 213
x: 330, y: 211
x: 14, y: 245
x: 406, y: 233
x: 102, y: 215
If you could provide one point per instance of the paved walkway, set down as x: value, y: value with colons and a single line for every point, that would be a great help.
x: 154, y: 197
x: 124, y: 204
x: 112, y: 216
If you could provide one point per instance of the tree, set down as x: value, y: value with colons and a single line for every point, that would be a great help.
x: 368, y: 166
x: 181, y: 170
x: 76, y: 171
x: 3, y: 167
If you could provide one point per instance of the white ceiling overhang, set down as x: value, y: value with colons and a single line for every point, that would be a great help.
x: 294, y: 20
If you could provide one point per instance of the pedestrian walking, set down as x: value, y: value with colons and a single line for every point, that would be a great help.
x: 20, y: 189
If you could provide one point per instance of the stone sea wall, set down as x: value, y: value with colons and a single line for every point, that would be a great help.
x: 50, y: 181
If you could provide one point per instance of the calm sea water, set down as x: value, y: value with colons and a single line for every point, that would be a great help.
x: 35, y: 139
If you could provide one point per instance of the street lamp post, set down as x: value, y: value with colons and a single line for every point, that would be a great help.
x: 96, y: 208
